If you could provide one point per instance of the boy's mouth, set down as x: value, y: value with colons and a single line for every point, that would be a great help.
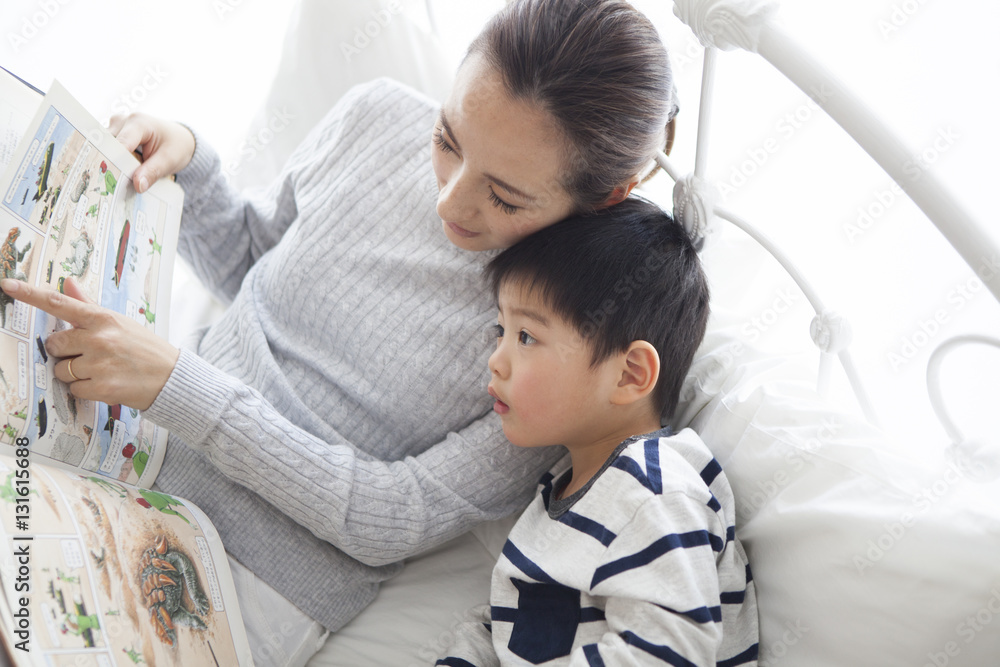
x: 499, y: 407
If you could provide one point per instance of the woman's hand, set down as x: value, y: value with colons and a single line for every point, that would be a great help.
x: 167, y: 147
x: 114, y: 359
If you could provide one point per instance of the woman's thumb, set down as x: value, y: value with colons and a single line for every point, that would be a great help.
x: 146, y: 174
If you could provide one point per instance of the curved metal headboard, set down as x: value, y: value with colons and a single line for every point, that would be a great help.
x: 751, y: 25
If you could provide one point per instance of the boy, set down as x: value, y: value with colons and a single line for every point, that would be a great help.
x: 628, y: 555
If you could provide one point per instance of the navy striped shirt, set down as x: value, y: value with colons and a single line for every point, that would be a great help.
x: 641, y: 566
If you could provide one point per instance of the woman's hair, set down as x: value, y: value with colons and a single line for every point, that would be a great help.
x: 600, y: 69
x: 625, y: 273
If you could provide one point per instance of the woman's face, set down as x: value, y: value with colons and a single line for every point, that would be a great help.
x: 499, y: 163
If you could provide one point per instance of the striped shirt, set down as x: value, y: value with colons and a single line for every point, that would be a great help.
x: 641, y: 566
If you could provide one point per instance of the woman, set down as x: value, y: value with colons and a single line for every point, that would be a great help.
x: 341, y: 398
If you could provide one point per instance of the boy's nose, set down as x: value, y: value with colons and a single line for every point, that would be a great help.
x: 496, y: 362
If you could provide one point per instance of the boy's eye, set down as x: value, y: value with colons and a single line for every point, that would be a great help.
x: 525, y: 338
x: 497, y: 331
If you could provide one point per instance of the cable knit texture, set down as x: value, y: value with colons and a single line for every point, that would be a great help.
x: 335, y: 420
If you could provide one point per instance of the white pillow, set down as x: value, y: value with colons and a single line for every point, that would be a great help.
x: 860, y: 557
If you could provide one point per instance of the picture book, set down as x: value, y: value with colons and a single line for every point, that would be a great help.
x: 95, y: 567
x: 98, y: 573
x: 68, y: 209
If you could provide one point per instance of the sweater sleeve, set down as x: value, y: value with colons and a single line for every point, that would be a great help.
x: 662, y: 587
x: 224, y: 231
x: 473, y: 643
x: 378, y: 512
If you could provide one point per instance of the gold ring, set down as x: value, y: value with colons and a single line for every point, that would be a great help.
x: 69, y: 367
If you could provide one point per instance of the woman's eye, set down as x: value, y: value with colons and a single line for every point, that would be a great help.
x: 525, y: 338
x: 441, y: 143
x: 501, y: 204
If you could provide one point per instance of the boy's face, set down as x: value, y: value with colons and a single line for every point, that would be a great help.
x: 546, y: 391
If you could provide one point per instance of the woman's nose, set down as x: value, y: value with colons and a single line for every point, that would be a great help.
x: 455, y: 202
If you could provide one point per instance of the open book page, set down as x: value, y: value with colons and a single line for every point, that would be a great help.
x: 69, y: 209
x: 118, y: 575
x: 18, y: 103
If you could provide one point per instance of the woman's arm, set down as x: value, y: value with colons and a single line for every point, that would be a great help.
x: 125, y: 362
x: 225, y: 231
x: 376, y: 511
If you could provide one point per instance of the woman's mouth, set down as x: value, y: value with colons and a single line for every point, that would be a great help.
x: 499, y: 407
x: 461, y: 231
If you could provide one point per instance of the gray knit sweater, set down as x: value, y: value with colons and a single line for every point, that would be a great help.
x: 341, y: 400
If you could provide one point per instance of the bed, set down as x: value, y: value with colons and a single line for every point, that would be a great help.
x: 870, y: 546
x: 865, y: 470
x: 867, y: 549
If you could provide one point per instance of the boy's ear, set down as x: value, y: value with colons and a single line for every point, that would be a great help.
x: 639, y: 371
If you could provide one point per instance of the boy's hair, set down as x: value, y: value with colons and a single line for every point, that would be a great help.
x: 625, y: 273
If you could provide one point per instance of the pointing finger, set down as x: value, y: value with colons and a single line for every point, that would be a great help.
x: 76, y: 313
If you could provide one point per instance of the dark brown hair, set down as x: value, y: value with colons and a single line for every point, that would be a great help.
x: 624, y: 273
x: 600, y: 69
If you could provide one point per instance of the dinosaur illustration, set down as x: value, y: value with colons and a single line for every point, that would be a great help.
x: 10, y: 258
x: 69, y: 579
x: 80, y: 187
x: 80, y: 623
x: 77, y: 264
x: 166, y: 574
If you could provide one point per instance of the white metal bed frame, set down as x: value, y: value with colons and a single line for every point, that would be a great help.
x: 751, y: 25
